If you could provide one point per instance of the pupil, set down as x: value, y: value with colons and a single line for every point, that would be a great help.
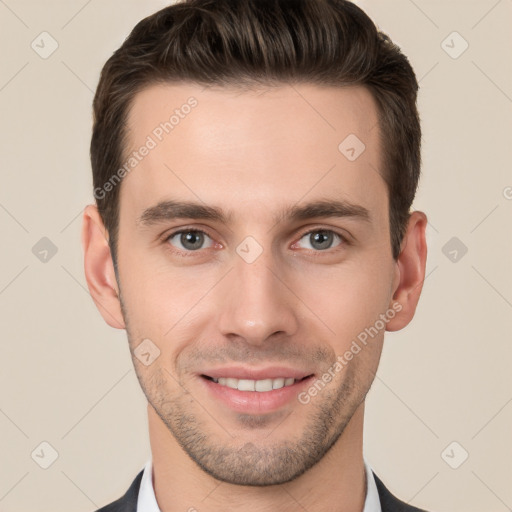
x: 322, y: 239
x: 191, y: 240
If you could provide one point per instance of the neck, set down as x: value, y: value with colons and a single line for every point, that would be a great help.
x: 336, y: 483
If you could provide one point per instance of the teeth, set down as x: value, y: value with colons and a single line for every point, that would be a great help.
x: 277, y: 383
x: 255, y: 385
x: 246, y: 385
x: 263, y: 385
x: 231, y: 382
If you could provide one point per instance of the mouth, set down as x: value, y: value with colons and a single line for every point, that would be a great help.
x: 253, y: 391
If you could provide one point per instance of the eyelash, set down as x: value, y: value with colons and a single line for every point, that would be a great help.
x: 344, y: 240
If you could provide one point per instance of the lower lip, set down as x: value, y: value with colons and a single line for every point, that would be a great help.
x: 255, y: 402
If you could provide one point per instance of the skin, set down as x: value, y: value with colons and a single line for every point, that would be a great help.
x: 254, y: 153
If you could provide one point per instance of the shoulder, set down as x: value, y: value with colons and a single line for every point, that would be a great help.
x: 391, y: 503
x: 128, y: 502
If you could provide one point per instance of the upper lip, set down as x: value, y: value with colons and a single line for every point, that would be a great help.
x: 274, y: 372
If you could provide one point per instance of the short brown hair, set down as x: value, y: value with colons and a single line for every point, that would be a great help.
x: 251, y: 42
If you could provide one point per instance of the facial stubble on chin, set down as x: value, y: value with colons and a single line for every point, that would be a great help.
x: 207, y: 440
x: 233, y: 460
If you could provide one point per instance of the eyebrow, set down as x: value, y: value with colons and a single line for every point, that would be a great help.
x: 172, y: 209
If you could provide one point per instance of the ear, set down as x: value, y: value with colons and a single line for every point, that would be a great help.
x: 99, y: 268
x: 409, y: 272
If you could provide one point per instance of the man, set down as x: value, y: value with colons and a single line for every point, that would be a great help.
x: 254, y: 164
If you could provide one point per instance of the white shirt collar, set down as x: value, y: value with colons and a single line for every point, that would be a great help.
x: 372, y: 501
x: 147, y: 500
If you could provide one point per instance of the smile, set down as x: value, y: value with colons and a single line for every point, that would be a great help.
x: 267, y: 391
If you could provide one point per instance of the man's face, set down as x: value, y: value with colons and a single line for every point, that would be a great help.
x: 255, y: 294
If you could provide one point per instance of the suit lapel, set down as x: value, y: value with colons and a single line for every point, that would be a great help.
x: 390, y: 503
x: 128, y: 502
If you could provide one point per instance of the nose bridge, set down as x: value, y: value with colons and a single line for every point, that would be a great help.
x: 258, y: 304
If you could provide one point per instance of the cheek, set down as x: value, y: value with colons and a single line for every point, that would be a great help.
x: 147, y: 294
x: 160, y: 300
x: 347, y: 298
x: 154, y: 303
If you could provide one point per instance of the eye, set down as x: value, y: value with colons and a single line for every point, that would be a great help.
x: 189, y: 239
x: 320, y: 239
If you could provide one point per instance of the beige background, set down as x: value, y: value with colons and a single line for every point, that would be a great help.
x: 67, y: 379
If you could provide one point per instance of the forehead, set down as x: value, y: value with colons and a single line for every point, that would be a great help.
x: 257, y: 149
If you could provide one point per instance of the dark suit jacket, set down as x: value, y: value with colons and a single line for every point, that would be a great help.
x: 128, y: 502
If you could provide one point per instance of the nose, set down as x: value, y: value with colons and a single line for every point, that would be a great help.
x: 257, y: 303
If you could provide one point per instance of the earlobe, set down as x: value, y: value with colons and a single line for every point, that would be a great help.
x: 410, y: 271
x: 99, y: 268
